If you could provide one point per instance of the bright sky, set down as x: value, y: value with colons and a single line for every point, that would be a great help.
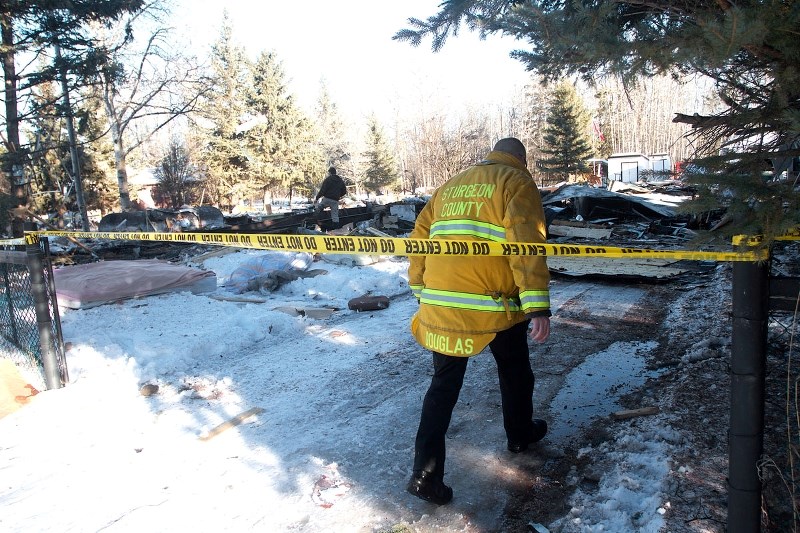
x: 349, y: 45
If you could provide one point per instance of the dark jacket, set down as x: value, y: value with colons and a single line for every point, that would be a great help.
x: 333, y: 187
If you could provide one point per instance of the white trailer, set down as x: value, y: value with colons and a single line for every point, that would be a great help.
x: 634, y: 166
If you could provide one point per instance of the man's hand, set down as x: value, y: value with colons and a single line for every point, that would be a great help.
x: 540, y: 328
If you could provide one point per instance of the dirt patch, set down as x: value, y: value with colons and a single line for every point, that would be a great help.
x: 691, y: 320
x: 545, y: 497
x: 583, y: 327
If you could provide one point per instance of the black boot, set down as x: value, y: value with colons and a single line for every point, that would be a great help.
x: 426, y: 487
x: 537, y: 433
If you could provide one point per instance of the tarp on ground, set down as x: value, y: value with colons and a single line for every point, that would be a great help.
x: 256, y: 272
x: 83, y: 286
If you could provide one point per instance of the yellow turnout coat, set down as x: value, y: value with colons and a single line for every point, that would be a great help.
x: 465, y: 300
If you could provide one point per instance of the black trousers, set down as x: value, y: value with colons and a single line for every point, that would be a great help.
x: 510, y: 351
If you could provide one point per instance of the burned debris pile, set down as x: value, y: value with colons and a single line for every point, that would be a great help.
x: 624, y: 214
x: 393, y: 219
x: 399, y: 215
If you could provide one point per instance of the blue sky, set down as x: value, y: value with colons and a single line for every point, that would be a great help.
x: 349, y: 45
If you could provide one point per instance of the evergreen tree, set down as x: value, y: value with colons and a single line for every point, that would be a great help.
x: 381, y: 172
x: 533, y: 107
x: 96, y: 152
x: 331, y: 130
x: 50, y: 183
x: 278, y: 137
x: 176, y: 174
x: 52, y: 186
x: 225, y: 155
x: 566, y: 147
x: 36, y: 27
x: 748, y: 48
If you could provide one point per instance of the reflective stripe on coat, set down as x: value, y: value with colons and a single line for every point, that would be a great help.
x: 464, y: 300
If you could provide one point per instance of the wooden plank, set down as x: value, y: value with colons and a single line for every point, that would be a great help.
x: 238, y: 299
x: 633, y: 413
x: 222, y: 250
x: 233, y: 422
x: 561, y: 230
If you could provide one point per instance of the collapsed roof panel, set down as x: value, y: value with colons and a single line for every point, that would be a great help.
x: 628, y: 269
x: 601, y: 202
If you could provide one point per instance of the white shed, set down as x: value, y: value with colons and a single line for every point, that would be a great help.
x: 633, y: 167
x: 627, y: 167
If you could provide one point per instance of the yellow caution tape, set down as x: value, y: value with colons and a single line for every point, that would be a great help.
x: 755, y: 240
x: 330, y: 244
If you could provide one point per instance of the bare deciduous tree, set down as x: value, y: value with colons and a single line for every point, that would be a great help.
x: 639, y: 119
x: 159, y: 85
x: 177, y: 176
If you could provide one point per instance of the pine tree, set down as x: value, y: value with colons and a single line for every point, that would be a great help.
x: 381, y: 171
x: 176, y: 174
x: 35, y: 27
x: 224, y: 156
x: 748, y: 49
x: 532, y: 104
x: 51, y: 184
x: 97, y: 158
x: 280, y: 149
x: 331, y: 130
x: 566, y: 147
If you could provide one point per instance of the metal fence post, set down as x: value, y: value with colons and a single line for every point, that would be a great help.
x: 10, y: 302
x: 52, y: 375
x: 750, y: 301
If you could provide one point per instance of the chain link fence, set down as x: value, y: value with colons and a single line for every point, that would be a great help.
x: 30, y: 327
x: 780, y: 464
x: 784, y: 265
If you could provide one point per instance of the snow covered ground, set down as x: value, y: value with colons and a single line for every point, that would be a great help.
x: 331, y: 445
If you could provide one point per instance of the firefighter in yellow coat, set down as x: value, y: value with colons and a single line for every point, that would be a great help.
x: 470, y: 302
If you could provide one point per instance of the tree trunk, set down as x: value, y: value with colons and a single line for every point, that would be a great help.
x: 73, y: 145
x: 119, y: 150
x: 122, y: 177
x: 12, y: 162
